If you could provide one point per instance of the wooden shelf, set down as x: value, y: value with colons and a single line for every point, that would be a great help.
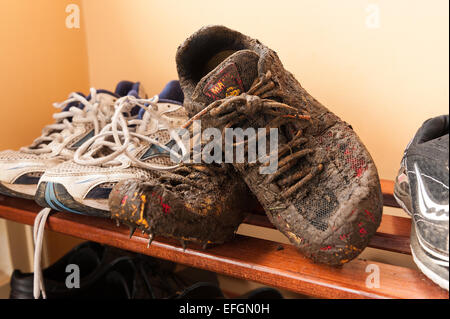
x: 270, y: 263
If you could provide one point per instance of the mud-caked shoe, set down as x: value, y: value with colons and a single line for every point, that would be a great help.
x: 421, y: 188
x: 325, y: 194
x: 197, y: 203
x: 191, y: 202
x: 80, y: 118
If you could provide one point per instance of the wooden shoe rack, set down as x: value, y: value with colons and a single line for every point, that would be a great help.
x: 263, y: 261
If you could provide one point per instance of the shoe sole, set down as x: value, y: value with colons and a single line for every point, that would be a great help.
x: 55, y: 196
x: 426, y: 264
x: 404, y: 206
x: 157, y: 210
x: 9, y: 192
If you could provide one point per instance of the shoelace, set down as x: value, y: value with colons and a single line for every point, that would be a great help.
x: 233, y: 110
x: 91, y: 113
x: 38, y: 236
x: 120, y: 131
x: 123, y: 136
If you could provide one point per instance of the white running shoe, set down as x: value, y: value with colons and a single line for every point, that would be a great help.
x: 95, y: 113
x: 81, y: 118
x: 127, y: 148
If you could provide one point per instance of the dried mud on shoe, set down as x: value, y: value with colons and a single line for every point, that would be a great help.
x: 193, y: 204
x: 325, y: 195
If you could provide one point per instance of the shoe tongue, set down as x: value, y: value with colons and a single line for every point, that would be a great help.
x: 103, y: 96
x: 136, y: 90
x: 106, y: 97
x: 76, y: 104
x: 171, y: 93
x: 133, y: 89
x: 123, y: 88
x: 233, y: 76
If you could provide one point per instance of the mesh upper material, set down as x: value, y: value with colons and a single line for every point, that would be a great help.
x: 347, y: 153
x: 160, y: 160
x: 320, y: 208
x: 10, y: 155
x: 321, y: 204
x: 74, y: 169
x: 162, y: 136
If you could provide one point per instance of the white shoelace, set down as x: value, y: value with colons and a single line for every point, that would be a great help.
x: 38, y: 236
x: 119, y: 129
x: 151, y: 122
x: 92, y: 112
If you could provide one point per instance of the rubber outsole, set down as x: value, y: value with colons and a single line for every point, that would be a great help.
x: 8, y: 192
x: 437, y: 273
x: 55, y: 196
x: 406, y: 207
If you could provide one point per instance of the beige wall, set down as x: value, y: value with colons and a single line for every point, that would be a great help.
x: 384, y: 81
x: 41, y: 62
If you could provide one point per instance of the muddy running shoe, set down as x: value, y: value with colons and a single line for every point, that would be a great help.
x: 189, y: 202
x: 81, y: 118
x: 325, y: 195
x: 196, y: 203
x: 82, y: 185
x: 421, y: 188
